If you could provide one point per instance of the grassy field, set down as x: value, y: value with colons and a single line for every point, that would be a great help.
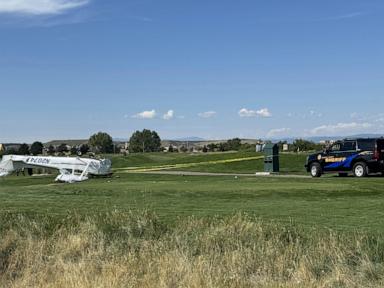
x: 235, y: 162
x: 142, y: 230
x: 340, y: 203
x: 139, y: 250
x: 148, y: 160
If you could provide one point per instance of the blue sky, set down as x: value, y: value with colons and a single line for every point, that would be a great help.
x: 213, y: 69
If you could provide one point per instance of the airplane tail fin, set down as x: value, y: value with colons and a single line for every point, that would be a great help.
x: 6, y: 166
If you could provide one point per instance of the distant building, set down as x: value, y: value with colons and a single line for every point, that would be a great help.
x: 260, y: 147
x: 10, y: 147
x: 327, y: 142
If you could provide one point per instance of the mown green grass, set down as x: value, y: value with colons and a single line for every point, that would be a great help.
x: 289, y: 162
x: 346, y: 204
x: 158, y: 159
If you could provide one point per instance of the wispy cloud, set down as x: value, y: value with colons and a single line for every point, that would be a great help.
x: 344, y: 16
x: 341, y: 128
x: 40, y: 7
x: 145, y: 115
x: 279, y: 132
x: 306, y: 115
x: 169, y: 115
x: 367, y: 117
x: 52, y: 21
x: 314, y: 19
x: 254, y: 113
x: 207, y: 114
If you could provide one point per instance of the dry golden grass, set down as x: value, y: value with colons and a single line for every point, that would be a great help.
x: 137, y: 250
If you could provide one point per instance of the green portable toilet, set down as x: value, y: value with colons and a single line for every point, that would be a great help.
x: 271, y: 158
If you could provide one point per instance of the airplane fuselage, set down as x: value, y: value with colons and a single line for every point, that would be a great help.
x: 66, y: 165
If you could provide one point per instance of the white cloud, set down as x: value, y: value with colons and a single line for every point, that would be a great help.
x: 169, y: 115
x: 247, y: 113
x: 39, y: 7
x: 252, y: 113
x: 145, y: 115
x: 208, y: 114
x: 340, y: 128
x: 264, y: 113
x: 279, y: 132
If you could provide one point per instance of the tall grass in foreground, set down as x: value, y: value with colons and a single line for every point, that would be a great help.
x: 137, y: 250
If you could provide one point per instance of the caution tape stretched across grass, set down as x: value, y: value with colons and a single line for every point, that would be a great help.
x: 185, y: 165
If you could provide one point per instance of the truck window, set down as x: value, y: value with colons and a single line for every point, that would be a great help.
x: 367, y: 145
x: 336, y: 147
x: 348, y: 146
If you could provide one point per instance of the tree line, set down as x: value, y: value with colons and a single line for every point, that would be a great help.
x: 37, y: 148
x: 146, y: 141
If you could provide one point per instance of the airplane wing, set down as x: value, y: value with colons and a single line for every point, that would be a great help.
x: 3, y: 173
x: 67, y: 177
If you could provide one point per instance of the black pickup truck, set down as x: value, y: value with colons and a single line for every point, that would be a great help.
x: 358, y: 156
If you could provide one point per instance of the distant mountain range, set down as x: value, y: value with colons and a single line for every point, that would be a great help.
x: 289, y: 140
x: 120, y: 139
x: 191, y: 138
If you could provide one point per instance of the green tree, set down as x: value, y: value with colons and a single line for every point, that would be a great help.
x: 101, y: 142
x: 223, y: 147
x: 62, y: 148
x: 234, y: 144
x: 74, y: 150
x: 183, y: 149
x: 23, y: 149
x: 211, y: 147
x: 305, y: 145
x: 37, y: 148
x: 84, y: 149
x: 51, y: 150
x: 145, y: 141
x: 11, y: 151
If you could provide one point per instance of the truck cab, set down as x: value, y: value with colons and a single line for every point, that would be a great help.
x: 357, y: 156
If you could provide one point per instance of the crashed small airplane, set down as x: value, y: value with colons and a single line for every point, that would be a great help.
x: 71, y: 169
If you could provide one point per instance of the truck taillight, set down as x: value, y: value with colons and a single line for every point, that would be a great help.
x: 376, y: 156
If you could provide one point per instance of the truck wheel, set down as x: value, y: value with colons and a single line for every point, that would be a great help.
x: 315, y: 170
x: 360, y: 169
